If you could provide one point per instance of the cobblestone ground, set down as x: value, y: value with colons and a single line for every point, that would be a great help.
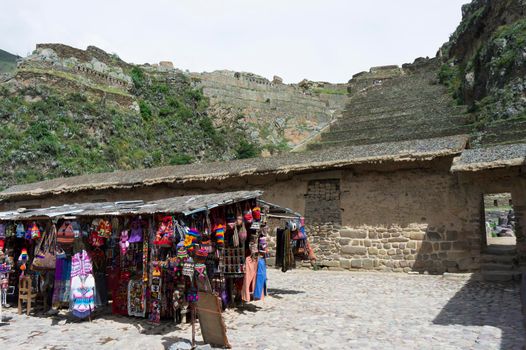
x: 316, y: 310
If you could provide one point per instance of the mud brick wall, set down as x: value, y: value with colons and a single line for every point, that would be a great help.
x: 322, y: 202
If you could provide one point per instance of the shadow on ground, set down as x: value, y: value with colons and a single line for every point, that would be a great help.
x: 488, y: 304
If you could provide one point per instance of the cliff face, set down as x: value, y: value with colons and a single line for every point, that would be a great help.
x: 485, y: 68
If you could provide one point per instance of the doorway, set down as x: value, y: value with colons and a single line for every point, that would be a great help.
x: 499, y: 221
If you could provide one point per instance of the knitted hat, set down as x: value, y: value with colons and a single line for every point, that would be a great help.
x: 201, y: 252
x: 35, y: 232
x: 194, y: 233
x: 256, y: 213
x: 220, y: 234
x: 23, y: 255
x: 182, y: 253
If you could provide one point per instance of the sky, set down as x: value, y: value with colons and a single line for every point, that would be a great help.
x: 324, y: 40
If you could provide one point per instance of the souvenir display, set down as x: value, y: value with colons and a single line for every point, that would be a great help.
x: 136, y: 299
x: 152, y: 266
x: 82, y: 285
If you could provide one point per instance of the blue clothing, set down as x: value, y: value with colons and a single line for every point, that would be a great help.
x: 261, y: 280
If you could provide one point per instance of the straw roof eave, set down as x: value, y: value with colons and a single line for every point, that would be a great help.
x: 501, y: 156
x: 404, y: 151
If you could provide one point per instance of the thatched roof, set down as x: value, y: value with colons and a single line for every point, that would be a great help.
x: 183, y: 205
x: 501, y: 156
x: 291, y: 162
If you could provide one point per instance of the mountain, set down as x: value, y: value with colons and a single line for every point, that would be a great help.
x: 66, y: 111
x: 484, y: 67
x: 7, y: 62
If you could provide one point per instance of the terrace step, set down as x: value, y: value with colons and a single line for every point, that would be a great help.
x: 399, y: 110
x: 501, y: 276
x: 390, y: 138
x: 496, y: 267
x: 407, y: 122
x: 498, y: 259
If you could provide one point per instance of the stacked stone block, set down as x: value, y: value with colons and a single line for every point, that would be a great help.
x: 415, y: 247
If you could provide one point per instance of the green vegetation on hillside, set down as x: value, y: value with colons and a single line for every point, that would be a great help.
x: 46, y: 132
x: 490, y: 75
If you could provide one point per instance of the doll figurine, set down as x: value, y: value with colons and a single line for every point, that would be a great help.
x: 124, y: 244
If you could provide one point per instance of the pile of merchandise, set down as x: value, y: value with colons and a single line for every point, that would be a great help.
x: 143, y: 265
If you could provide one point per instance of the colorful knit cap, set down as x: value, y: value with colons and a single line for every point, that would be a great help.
x: 201, y: 252
x: 23, y: 255
x: 256, y: 213
x: 220, y: 234
x: 194, y: 233
x: 182, y: 253
x: 35, y: 232
x: 248, y: 216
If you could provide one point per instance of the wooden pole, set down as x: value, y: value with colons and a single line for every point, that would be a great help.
x: 192, y: 308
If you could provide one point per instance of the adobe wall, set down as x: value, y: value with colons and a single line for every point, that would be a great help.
x: 407, y: 219
x: 503, y: 181
x: 401, y: 220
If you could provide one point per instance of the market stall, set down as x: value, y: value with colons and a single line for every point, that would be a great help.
x: 140, y: 259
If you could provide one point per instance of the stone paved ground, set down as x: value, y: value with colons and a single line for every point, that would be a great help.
x: 317, y: 310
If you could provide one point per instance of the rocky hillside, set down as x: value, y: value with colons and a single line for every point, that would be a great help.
x: 476, y: 85
x: 66, y: 112
x: 279, y: 116
x: 7, y: 62
x: 392, y: 103
x: 485, y: 68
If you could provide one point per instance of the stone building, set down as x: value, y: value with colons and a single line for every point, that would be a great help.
x: 392, y: 185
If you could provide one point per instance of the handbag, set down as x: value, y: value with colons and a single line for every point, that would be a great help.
x: 45, y: 258
x: 66, y: 234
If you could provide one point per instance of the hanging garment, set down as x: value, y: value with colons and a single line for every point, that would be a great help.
x: 136, y: 298
x: 101, y: 289
x: 260, y: 290
x: 82, y: 285
x: 119, y: 292
x: 280, y: 248
x: 61, y: 289
x: 288, y: 256
x: 249, y: 281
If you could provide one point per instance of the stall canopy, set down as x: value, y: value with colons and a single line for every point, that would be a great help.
x: 186, y: 205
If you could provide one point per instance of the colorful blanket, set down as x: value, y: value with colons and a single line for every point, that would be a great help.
x: 82, y: 285
x: 62, y: 284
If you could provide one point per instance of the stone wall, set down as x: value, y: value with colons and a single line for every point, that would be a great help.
x: 416, y: 247
x: 392, y: 219
x: 322, y: 201
x: 275, y: 113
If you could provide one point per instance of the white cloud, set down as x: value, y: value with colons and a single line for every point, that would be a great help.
x: 317, y: 39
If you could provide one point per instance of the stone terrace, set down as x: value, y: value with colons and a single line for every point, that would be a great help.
x: 394, y: 104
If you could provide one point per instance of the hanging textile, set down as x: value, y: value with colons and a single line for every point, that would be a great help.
x: 61, y: 289
x: 82, y: 285
x: 249, y: 281
x: 120, y: 292
x: 260, y: 289
x: 136, y: 298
